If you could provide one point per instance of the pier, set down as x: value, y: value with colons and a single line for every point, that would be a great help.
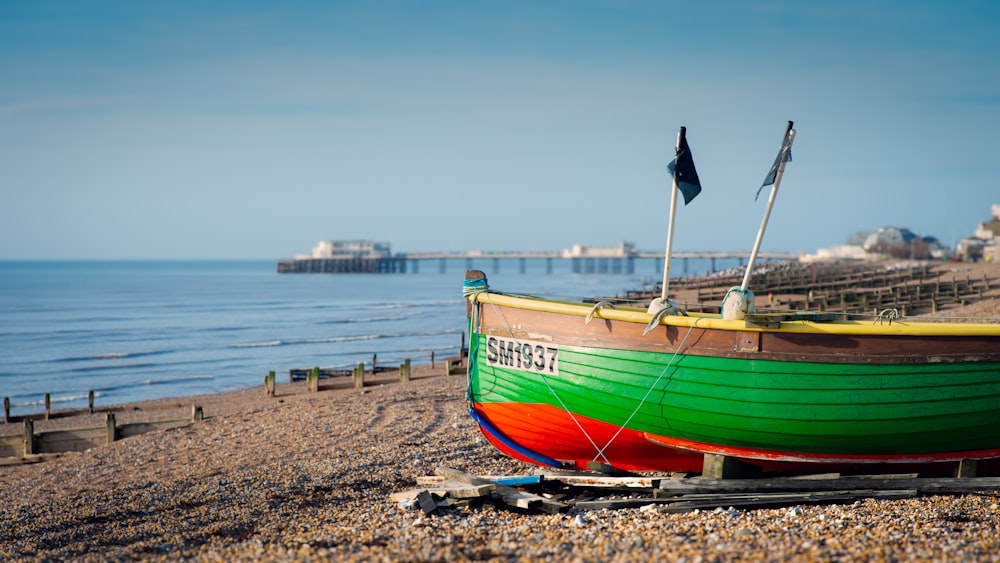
x: 622, y: 262
x: 380, y: 265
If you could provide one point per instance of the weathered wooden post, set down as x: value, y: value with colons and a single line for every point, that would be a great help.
x: 29, y: 437
x: 90, y: 401
x: 404, y: 370
x: 314, y: 380
x: 359, y: 376
x: 48, y: 405
x: 716, y: 466
x: 197, y: 413
x: 112, y: 428
x: 269, y: 384
x: 966, y: 468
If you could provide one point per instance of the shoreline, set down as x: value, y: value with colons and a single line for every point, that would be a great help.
x: 224, y: 403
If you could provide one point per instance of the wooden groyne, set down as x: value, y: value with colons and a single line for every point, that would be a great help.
x: 30, y: 446
x: 912, y: 288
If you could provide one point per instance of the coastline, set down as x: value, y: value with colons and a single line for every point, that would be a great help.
x: 308, y: 476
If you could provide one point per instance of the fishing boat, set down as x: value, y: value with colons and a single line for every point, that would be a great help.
x: 584, y: 384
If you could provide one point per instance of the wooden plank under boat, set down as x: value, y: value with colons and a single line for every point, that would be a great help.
x: 792, y: 393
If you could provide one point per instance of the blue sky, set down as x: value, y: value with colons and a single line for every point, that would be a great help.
x: 199, y: 129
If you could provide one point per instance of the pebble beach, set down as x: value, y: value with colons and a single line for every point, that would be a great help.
x: 308, y: 477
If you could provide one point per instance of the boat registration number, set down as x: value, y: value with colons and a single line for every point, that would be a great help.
x: 527, y: 355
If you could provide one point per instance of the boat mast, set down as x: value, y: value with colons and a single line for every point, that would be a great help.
x: 786, y: 145
x: 670, y: 224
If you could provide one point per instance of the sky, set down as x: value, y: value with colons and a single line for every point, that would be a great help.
x: 199, y: 129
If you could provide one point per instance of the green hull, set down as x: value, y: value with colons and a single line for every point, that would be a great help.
x: 765, y: 405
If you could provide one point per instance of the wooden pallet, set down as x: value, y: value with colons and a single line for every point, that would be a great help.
x: 558, y: 491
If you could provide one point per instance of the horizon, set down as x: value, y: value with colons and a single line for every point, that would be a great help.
x: 226, y: 131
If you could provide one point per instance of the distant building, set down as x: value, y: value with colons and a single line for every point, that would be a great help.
x: 985, y: 243
x: 348, y: 249
x: 898, y: 242
x: 623, y: 250
x: 887, y: 242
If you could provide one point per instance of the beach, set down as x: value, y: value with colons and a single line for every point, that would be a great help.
x: 308, y: 476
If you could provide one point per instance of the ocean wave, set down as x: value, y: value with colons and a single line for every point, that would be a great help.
x: 55, y: 400
x: 152, y: 382
x: 115, y: 367
x: 174, y: 380
x: 337, y: 339
x: 371, y: 319
x: 111, y: 356
x: 378, y: 306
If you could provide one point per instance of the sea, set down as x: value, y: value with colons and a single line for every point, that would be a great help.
x: 140, y: 330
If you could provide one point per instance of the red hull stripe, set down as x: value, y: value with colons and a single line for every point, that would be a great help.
x: 551, y: 431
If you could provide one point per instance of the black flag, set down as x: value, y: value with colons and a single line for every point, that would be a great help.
x: 784, y: 155
x: 682, y: 167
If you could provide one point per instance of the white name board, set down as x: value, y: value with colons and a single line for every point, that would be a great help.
x: 526, y: 355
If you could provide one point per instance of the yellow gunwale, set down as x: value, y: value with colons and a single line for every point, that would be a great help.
x: 898, y: 327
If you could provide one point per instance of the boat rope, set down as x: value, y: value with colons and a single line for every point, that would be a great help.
x: 471, y: 289
x: 474, y: 286
x: 670, y: 363
x: 886, y: 314
x: 600, y: 451
x: 600, y: 305
x: 548, y: 385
